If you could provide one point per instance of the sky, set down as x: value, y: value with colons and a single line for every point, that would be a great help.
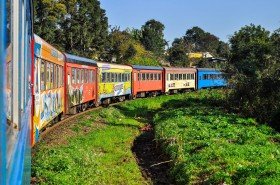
x: 219, y: 17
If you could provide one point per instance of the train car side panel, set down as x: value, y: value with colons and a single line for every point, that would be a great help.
x: 114, y: 81
x: 48, y: 84
x: 81, y: 83
x: 147, y: 79
x: 208, y: 78
x: 177, y: 79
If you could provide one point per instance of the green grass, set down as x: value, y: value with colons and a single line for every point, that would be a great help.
x: 95, y: 150
x: 209, y: 145
x: 206, y: 143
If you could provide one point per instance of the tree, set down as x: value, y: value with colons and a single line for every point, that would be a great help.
x: 257, y: 75
x: 177, y: 54
x: 250, y: 49
x: 153, y: 37
x: 197, y: 40
x: 49, y: 15
x: 75, y: 26
x: 125, y: 49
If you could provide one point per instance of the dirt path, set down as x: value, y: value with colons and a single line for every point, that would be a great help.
x: 154, y: 164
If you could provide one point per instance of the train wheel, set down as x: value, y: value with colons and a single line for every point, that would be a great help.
x: 84, y: 107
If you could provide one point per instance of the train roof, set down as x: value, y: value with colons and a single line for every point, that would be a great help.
x: 112, y: 66
x: 179, y: 69
x: 44, y: 50
x: 147, y: 67
x: 208, y: 69
x: 80, y: 60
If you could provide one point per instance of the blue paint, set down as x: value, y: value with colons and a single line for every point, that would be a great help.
x: 146, y: 67
x: 2, y: 93
x: 20, y: 171
x: 203, y: 83
x: 80, y: 60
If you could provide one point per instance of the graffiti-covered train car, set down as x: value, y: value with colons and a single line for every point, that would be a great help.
x: 81, y: 84
x: 114, y: 82
x: 48, y: 84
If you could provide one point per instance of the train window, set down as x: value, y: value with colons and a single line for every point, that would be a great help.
x: 82, y: 76
x: 143, y: 76
x: 171, y: 76
x: 51, y: 76
x: 123, y: 77
x: 159, y: 77
x: 129, y: 76
x: 58, y: 76
x: 180, y: 77
x: 42, y: 76
x: 103, y: 78
x: 119, y: 77
x: 184, y: 76
x: 139, y: 76
x: 48, y: 76
x: 73, y: 76
x: 54, y: 75
x: 86, y: 76
x: 89, y: 76
x: 107, y: 77
x: 78, y: 76
x: 176, y: 76
x: 151, y: 76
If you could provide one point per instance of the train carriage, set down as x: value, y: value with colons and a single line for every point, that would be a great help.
x: 81, y: 84
x: 147, y: 80
x: 16, y: 46
x: 210, y: 78
x: 48, y: 84
x: 179, y: 79
x: 114, y: 82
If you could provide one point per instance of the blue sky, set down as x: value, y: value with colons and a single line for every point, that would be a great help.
x: 220, y: 17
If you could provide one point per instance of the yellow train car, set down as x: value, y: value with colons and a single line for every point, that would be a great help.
x: 48, y: 84
x: 114, y: 82
x: 179, y: 79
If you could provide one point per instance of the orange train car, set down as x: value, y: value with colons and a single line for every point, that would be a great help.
x: 81, y: 84
x: 48, y: 89
x: 147, y: 81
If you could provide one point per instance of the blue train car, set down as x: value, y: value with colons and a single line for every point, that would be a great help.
x: 210, y: 78
x: 16, y: 41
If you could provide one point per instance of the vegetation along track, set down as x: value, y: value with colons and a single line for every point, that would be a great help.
x: 203, y: 144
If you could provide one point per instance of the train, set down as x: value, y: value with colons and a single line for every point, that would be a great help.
x: 40, y: 85
x: 68, y: 84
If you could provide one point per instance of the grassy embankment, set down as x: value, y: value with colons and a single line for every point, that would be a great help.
x: 206, y: 144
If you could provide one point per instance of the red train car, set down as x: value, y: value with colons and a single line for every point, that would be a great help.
x: 147, y: 80
x: 81, y: 84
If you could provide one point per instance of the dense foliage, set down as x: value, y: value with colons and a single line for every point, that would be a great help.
x: 255, y: 58
x: 80, y: 25
x: 153, y: 38
x: 196, y: 40
x: 125, y: 49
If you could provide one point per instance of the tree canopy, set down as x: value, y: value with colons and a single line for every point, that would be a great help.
x: 80, y: 25
x: 152, y: 37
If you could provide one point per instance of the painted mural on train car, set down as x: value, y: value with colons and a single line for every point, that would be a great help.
x: 48, y: 84
x: 114, y: 80
x: 75, y: 95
